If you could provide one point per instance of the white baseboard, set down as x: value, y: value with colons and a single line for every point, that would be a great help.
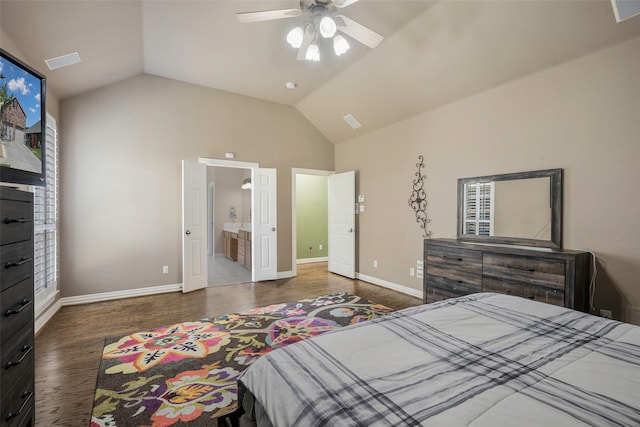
x: 46, y: 315
x: 285, y: 275
x: 311, y: 260
x: 128, y: 293
x: 390, y: 285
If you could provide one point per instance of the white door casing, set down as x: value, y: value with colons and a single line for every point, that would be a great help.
x: 342, y: 240
x: 194, y: 226
x: 264, y: 244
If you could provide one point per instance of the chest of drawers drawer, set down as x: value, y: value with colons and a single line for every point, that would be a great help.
x: 16, y: 263
x: 16, y: 308
x: 17, y: 404
x: 16, y: 358
x: 16, y: 222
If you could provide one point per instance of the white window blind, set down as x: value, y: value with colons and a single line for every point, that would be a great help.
x: 46, y: 223
x: 478, y: 208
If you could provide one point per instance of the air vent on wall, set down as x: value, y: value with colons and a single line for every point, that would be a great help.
x: 62, y: 61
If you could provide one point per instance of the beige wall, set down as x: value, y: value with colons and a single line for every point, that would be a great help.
x: 582, y: 116
x: 120, y: 157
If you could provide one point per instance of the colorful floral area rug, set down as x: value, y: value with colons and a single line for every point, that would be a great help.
x: 186, y: 373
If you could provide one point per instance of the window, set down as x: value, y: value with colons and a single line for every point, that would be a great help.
x: 478, y: 208
x: 46, y: 223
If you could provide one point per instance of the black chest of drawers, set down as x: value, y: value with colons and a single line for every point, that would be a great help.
x: 454, y: 268
x: 17, y: 360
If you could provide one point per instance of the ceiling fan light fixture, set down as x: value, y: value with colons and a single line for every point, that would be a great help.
x: 340, y: 45
x: 313, y: 53
x: 295, y: 36
x: 327, y: 27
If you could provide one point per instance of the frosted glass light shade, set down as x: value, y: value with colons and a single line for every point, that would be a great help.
x: 294, y: 38
x: 313, y: 53
x: 340, y: 45
x: 327, y: 27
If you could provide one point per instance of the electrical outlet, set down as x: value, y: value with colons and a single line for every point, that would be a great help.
x: 375, y: 264
x: 320, y: 247
x: 419, y: 274
x: 165, y: 269
x: 412, y: 271
x: 605, y: 313
x: 419, y: 264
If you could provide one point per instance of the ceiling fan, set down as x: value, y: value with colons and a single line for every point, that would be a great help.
x: 323, y: 21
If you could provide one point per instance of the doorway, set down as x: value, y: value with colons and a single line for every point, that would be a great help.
x: 263, y: 254
x: 308, y: 250
x: 228, y: 218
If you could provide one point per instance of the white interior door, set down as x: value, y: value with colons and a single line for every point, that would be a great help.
x: 342, y: 220
x: 194, y: 226
x: 264, y: 239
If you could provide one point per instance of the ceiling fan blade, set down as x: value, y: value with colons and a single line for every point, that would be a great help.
x: 358, y: 31
x: 267, y: 15
x: 343, y: 3
x: 306, y: 41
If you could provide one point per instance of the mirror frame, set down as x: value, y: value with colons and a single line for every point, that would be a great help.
x: 556, y: 209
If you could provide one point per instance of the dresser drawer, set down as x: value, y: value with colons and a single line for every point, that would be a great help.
x: 530, y: 270
x: 16, y: 221
x: 17, y: 357
x: 17, y: 404
x: 16, y: 263
x: 458, y: 264
x: 16, y: 308
x: 537, y: 293
x: 439, y: 294
x: 453, y: 286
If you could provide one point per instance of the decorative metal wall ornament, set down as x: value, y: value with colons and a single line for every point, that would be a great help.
x: 418, y: 199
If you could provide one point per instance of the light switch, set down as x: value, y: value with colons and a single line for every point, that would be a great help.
x: 361, y: 208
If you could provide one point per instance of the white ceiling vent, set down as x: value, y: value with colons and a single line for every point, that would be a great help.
x: 352, y: 121
x: 62, y: 61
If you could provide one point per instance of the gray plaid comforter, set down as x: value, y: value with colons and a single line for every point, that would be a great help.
x: 480, y: 360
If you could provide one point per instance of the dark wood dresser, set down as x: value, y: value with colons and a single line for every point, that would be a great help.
x: 17, y: 370
x: 557, y: 276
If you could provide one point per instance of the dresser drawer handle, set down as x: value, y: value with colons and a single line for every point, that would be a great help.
x: 25, y: 352
x: 16, y: 220
x: 23, y: 304
x: 453, y: 258
x: 23, y: 260
x: 26, y: 396
x: 530, y: 270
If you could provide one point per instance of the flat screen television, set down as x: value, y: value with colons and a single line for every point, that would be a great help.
x: 22, y: 122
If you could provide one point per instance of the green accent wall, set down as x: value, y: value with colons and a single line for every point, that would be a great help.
x: 312, y: 222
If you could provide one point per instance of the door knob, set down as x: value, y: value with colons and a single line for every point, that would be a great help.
x: 187, y: 232
x: 350, y: 230
x: 273, y: 229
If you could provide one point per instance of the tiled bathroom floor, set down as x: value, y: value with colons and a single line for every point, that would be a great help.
x: 223, y: 271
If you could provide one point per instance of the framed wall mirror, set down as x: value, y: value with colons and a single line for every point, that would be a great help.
x: 523, y: 208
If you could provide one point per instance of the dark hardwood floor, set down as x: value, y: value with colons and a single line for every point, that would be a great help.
x: 69, y: 347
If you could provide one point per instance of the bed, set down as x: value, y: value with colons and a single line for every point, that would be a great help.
x: 479, y: 360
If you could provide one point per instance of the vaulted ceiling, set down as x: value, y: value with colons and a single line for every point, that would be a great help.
x: 434, y: 52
